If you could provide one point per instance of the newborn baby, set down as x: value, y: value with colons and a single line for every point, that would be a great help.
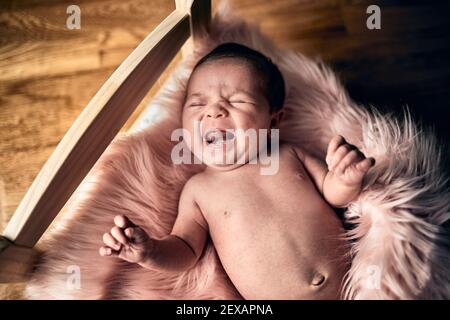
x: 276, y: 235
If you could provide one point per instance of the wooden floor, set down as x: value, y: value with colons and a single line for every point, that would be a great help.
x: 49, y: 73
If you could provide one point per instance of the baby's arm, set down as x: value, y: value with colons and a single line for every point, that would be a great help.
x: 176, y: 252
x: 340, y: 178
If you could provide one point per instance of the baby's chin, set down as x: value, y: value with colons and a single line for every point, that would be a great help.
x: 223, y: 167
x: 223, y: 159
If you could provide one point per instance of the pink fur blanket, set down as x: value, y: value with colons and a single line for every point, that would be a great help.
x: 397, y: 243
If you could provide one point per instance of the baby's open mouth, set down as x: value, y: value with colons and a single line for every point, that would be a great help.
x: 217, y: 136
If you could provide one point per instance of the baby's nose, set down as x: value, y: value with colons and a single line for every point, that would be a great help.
x: 216, y: 111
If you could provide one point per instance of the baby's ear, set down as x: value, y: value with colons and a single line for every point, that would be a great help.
x: 277, y: 116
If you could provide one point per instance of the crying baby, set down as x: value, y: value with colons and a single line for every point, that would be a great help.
x: 276, y: 235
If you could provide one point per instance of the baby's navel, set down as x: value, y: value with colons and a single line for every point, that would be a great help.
x: 318, y: 279
x: 300, y: 175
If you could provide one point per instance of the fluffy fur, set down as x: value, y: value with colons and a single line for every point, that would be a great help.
x: 398, y: 247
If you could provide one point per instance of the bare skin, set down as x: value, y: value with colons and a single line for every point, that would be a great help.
x: 277, y: 236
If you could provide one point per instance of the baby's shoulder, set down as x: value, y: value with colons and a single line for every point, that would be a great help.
x: 194, y: 183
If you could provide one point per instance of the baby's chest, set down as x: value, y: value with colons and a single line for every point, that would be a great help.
x: 232, y: 200
x: 252, y: 199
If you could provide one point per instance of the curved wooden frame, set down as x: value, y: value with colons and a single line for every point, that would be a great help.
x: 93, y: 131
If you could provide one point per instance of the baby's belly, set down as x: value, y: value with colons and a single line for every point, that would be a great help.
x: 282, y: 252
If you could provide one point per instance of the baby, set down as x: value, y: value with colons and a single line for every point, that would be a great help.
x: 276, y: 235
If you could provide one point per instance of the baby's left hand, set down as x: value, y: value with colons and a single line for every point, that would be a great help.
x: 346, y: 162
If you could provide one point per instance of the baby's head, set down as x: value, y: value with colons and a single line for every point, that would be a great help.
x: 232, y: 90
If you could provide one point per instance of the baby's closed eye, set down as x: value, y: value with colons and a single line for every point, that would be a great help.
x: 240, y: 101
x: 196, y: 104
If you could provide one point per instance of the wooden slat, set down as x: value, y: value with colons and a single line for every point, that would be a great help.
x: 200, y: 17
x: 200, y: 12
x: 94, y: 129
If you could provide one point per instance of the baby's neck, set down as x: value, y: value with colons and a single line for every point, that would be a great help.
x: 238, y: 167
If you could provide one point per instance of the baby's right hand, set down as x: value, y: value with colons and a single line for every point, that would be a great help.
x: 127, y: 241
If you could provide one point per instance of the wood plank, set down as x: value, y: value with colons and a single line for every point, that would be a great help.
x: 36, y: 43
x: 200, y: 13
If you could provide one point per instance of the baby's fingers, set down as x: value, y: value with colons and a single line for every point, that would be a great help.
x: 136, y: 234
x: 108, y: 252
x: 118, y: 235
x: 111, y: 242
x: 334, y: 144
x: 365, y: 164
x: 350, y: 158
x: 339, y: 155
x: 123, y: 222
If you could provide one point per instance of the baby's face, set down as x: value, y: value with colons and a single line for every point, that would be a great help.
x: 224, y: 99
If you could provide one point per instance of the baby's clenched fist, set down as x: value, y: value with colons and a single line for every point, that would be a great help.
x: 346, y: 162
x: 127, y: 241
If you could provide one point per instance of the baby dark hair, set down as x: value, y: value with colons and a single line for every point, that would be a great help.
x: 274, y: 83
